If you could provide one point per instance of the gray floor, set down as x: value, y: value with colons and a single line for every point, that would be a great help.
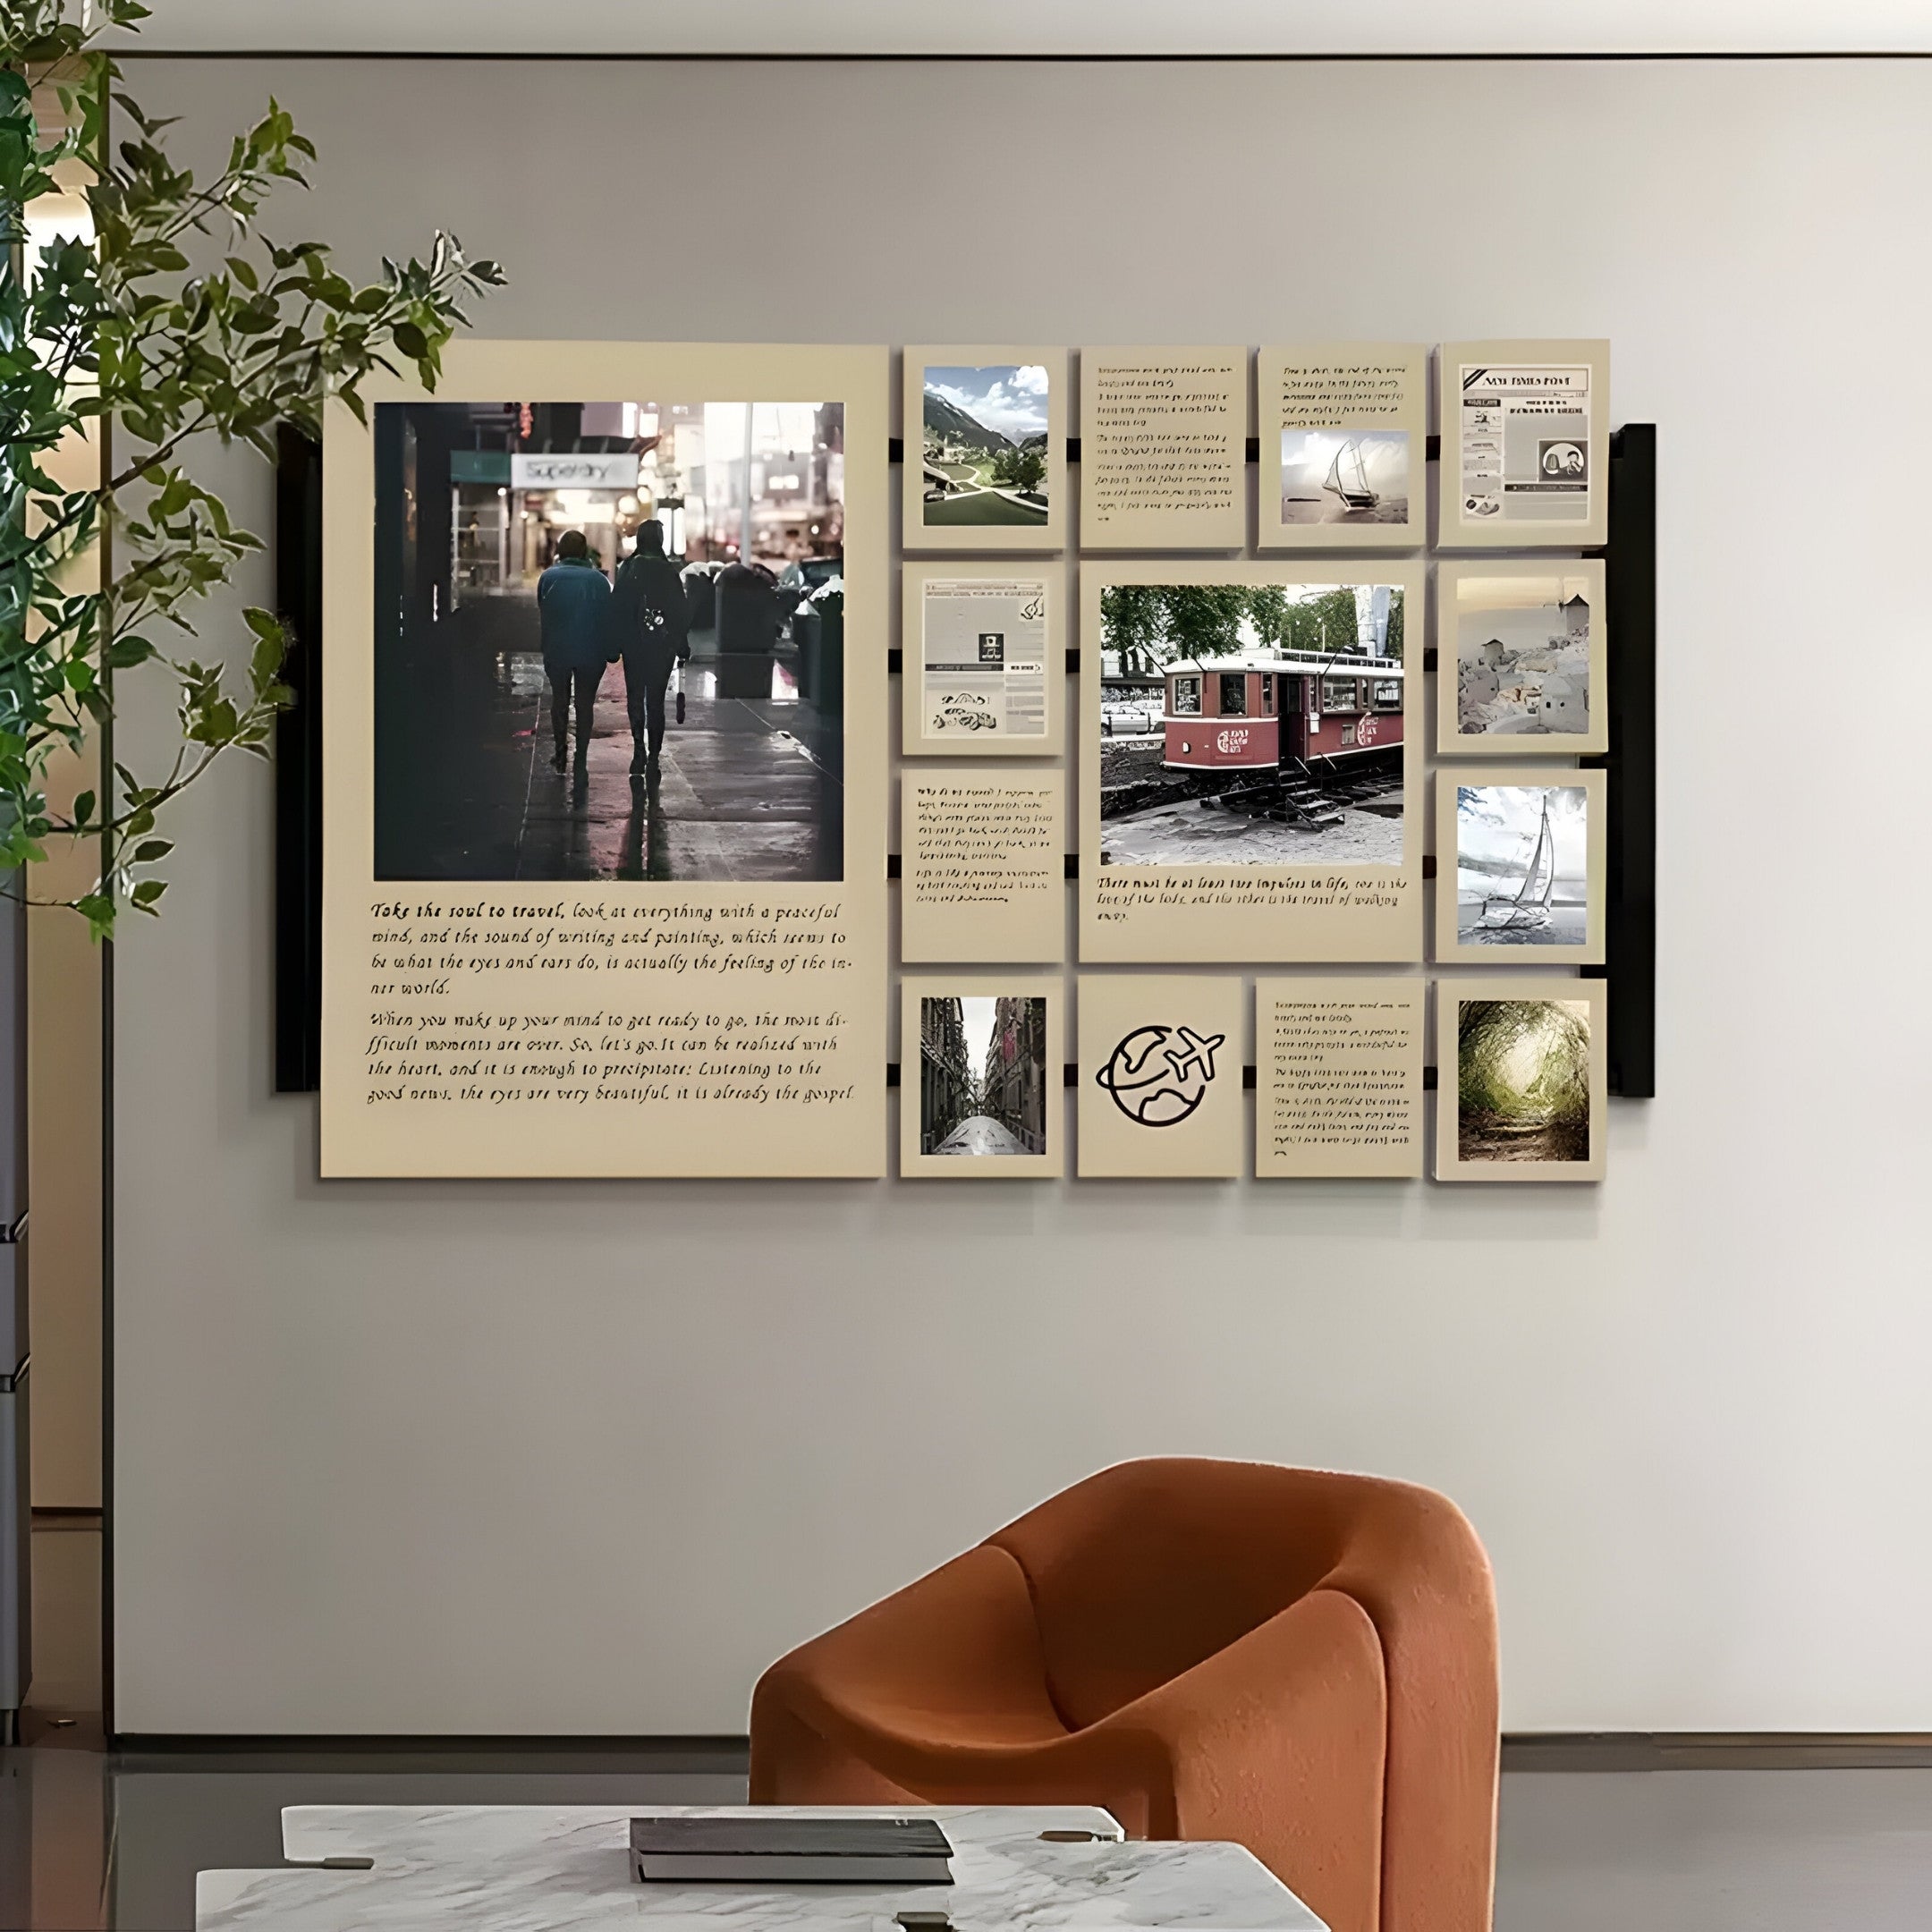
x: 1715, y: 1851
x: 1700, y: 1851
x: 94, y: 1839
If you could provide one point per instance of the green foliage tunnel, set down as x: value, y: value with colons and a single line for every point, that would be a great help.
x: 1525, y: 1059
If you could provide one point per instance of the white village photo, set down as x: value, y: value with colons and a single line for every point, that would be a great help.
x: 1522, y: 655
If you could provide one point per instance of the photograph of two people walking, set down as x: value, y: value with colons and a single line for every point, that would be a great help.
x: 609, y: 641
x: 644, y: 625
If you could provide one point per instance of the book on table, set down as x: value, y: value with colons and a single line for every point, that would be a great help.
x: 790, y: 1851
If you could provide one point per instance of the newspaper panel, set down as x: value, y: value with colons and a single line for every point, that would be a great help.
x: 984, y: 659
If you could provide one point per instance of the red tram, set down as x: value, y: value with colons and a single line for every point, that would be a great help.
x: 1282, y: 711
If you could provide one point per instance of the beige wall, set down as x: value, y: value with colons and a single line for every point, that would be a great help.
x: 443, y: 1457
x: 64, y: 990
x: 63, y: 985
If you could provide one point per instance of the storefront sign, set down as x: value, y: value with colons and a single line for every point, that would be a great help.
x: 571, y: 472
x: 479, y: 466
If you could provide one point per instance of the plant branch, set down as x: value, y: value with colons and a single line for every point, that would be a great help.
x: 126, y: 339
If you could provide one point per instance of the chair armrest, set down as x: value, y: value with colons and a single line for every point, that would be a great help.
x: 1416, y: 1566
x: 1278, y: 1742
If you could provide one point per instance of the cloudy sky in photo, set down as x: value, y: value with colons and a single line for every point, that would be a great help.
x: 1496, y: 825
x: 1307, y: 453
x: 1010, y: 398
x: 979, y: 1015
x: 1514, y: 630
x: 1523, y: 613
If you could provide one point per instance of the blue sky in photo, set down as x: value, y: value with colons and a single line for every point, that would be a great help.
x: 1009, y: 397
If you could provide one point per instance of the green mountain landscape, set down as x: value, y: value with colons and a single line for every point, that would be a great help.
x: 950, y: 424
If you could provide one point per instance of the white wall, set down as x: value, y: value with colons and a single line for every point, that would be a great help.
x: 433, y: 1458
x: 999, y: 27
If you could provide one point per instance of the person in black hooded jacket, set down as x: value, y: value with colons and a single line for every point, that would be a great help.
x: 651, y: 631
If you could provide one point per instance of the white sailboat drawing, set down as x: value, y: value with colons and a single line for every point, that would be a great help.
x: 1348, y: 477
x: 1528, y: 909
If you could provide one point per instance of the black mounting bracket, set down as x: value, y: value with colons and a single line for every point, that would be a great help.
x: 1629, y: 568
x: 1630, y: 905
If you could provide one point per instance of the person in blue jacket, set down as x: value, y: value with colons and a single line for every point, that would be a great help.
x: 572, y: 599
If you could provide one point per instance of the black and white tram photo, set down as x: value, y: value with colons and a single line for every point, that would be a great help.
x: 1251, y: 725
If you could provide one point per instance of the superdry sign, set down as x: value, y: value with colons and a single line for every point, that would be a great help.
x: 574, y: 472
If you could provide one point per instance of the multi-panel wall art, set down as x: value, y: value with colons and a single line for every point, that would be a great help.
x: 629, y: 834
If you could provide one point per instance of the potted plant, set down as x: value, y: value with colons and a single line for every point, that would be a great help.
x: 178, y: 321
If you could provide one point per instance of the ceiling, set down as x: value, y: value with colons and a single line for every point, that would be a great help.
x: 1045, y: 27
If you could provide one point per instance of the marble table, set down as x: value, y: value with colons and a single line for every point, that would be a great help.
x: 549, y: 1867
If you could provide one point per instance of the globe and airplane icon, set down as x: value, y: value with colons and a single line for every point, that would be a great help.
x: 1159, y: 1075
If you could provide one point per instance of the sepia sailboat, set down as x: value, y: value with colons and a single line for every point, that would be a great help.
x: 1351, y: 484
x: 1528, y: 908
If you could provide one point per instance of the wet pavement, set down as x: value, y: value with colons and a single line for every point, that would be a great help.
x: 748, y: 788
x: 980, y: 1135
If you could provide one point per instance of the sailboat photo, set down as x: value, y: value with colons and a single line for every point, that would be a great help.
x: 1528, y: 871
x: 1348, y: 477
x: 1528, y: 909
x: 1344, y: 476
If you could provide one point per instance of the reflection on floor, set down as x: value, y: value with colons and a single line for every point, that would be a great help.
x: 52, y: 1795
x: 751, y: 788
x: 980, y: 1135
x: 66, y: 1619
x: 739, y: 795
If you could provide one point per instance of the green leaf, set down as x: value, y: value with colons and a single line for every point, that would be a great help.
x: 98, y: 909
x: 126, y: 652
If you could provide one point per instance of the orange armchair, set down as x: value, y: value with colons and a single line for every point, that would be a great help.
x: 1300, y: 1662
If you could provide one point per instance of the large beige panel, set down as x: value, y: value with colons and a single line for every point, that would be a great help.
x: 786, y: 1069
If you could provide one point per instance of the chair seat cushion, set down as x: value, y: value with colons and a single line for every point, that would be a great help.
x: 952, y: 1661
